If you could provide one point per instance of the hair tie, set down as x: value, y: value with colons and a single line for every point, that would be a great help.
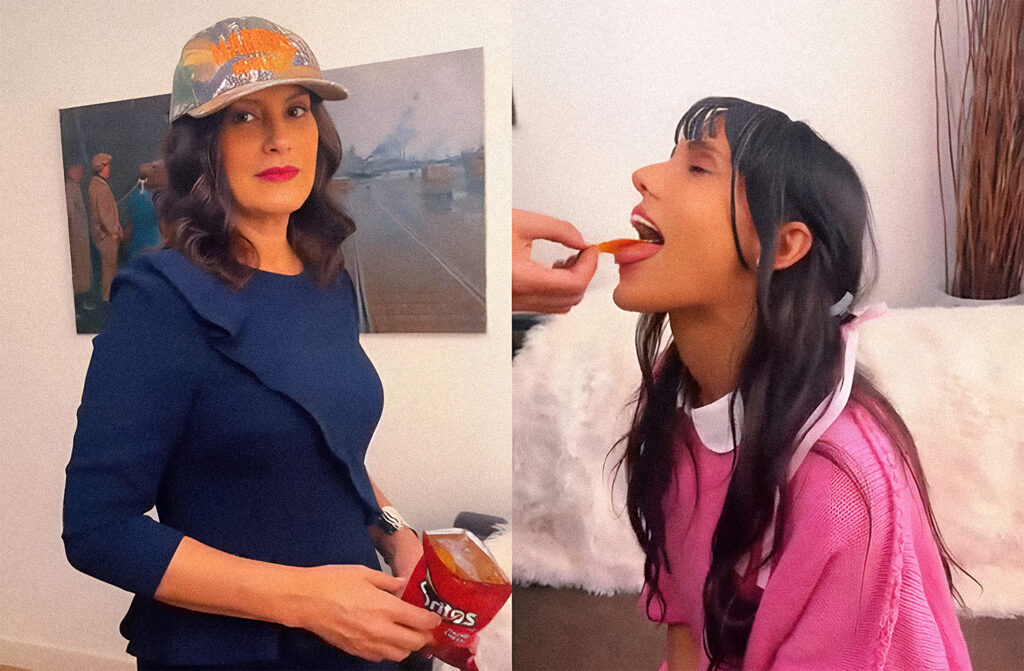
x: 842, y: 306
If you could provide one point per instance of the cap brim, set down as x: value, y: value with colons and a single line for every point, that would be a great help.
x: 325, y: 89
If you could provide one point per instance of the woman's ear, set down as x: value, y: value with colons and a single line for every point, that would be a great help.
x: 793, y: 241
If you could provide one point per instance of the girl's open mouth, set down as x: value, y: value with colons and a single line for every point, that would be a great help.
x: 631, y: 251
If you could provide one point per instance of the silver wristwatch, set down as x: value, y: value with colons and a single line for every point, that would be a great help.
x: 390, y: 520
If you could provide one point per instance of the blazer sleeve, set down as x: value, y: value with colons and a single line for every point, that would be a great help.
x: 135, y: 409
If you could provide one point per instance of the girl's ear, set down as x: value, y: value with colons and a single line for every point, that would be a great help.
x: 793, y: 241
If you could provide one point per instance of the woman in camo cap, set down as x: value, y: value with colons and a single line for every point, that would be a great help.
x: 230, y: 392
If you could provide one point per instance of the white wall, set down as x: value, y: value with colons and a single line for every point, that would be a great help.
x: 444, y: 441
x: 599, y: 87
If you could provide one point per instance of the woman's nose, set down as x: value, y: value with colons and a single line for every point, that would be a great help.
x: 277, y: 138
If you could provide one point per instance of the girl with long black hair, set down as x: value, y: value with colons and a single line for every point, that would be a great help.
x: 777, y: 495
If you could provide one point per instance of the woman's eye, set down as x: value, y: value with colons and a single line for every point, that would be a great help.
x: 243, y: 117
x: 297, y: 111
x: 699, y: 170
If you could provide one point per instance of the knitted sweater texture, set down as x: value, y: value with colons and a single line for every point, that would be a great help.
x: 858, y: 583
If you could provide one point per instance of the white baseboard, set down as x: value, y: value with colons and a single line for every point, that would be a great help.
x: 45, y: 658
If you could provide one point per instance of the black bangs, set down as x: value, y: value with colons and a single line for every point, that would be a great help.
x: 698, y: 121
x: 754, y: 134
x: 743, y: 122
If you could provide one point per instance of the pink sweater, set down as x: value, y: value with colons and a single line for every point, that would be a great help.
x: 834, y: 600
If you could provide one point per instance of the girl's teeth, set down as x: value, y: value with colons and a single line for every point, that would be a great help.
x: 636, y: 218
x: 648, y: 231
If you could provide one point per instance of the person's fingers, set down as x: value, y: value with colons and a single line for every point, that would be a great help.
x: 537, y: 288
x: 403, y: 613
x: 548, y: 285
x: 538, y: 278
x: 534, y: 226
x: 537, y: 302
x: 544, y: 308
x: 399, y: 589
x: 414, y: 617
x: 383, y: 581
x: 584, y: 264
x: 405, y: 640
x: 395, y: 653
x: 566, y: 262
x: 375, y: 624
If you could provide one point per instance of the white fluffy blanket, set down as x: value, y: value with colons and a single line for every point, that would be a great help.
x: 955, y: 374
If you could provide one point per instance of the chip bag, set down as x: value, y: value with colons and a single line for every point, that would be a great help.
x: 458, y: 579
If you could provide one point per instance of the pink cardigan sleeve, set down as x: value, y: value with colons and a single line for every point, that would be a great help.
x: 859, y: 583
x: 822, y: 596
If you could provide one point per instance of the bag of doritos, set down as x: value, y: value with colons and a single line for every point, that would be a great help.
x: 458, y: 579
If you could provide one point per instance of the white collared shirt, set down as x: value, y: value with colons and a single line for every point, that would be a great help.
x: 712, y: 423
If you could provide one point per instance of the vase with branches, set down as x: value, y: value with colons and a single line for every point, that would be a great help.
x: 981, y: 147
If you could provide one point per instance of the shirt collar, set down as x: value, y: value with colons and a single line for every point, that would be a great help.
x: 715, y: 431
x: 711, y: 422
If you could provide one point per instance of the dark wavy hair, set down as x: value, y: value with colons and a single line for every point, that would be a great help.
x: 195, y: 208
x: 793, y: 362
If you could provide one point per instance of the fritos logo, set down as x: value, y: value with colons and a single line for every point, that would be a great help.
x: 432, y: 602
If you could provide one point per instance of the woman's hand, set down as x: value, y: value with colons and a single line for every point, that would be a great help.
x: 405, y: 550
x: 401, y: 550
x: 350, y: 607
x: 537, y: 288
x: 354, y: 608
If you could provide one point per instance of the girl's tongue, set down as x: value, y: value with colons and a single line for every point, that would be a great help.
x: 629, y: 251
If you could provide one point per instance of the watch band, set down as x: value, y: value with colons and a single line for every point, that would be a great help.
x: 390, y: 520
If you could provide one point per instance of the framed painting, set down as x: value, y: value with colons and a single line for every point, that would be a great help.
x: 411, y: 176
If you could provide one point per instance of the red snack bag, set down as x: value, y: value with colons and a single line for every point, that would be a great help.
x: 458, y: 579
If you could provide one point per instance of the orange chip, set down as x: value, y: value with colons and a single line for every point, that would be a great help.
x: 617, y: 245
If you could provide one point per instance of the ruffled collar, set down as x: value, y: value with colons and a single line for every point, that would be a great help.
x: 212, y: 299
x: 246, y: 343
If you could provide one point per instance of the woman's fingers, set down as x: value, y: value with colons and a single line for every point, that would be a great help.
x: 383, y: 581
x: 530, y: 226
x: 537, y: 288
x: 400, y: 588
x: 353, y: 609
x: 384, y: 642
x: 568, y: 262
x: 407, y: 640
x: 415, y: 617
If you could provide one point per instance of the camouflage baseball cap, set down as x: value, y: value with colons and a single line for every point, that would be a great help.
x: 237, y: 56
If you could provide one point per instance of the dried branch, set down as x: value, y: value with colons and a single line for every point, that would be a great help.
x: 988, y: 172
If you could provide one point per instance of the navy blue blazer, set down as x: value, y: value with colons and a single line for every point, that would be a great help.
x: 244, y: 417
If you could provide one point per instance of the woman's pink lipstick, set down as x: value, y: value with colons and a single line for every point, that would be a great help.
x: 279, y: 173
